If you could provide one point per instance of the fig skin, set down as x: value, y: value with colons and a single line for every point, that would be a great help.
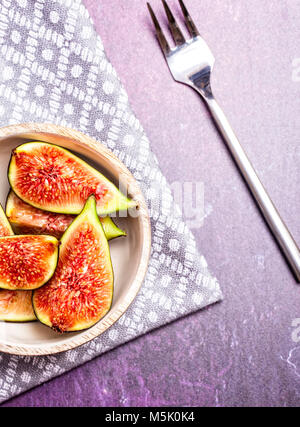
x: 81, y: 290
x: 52, y: 178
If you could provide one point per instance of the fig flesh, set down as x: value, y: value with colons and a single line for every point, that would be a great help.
x: 81, y: 289
x: 25, y: 219
x: 15, y: 306
x: 51, y: 178
x: 27, y: 262
x: 5, y: 227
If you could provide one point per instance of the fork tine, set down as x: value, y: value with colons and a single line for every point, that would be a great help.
x: 188, y: 20
x: 159, y: 33
x: 175, y: 30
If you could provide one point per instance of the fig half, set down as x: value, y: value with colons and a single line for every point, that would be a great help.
x: 81, y: 290
x: 25, y: 219
x: 51, y: 178
x: 5, y: 228
x: 27, y: 262
x: 15, y: 306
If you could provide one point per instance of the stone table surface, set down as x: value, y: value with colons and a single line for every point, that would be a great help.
x: 245, y: 350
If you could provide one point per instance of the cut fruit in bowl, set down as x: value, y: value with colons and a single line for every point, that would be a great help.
x: 129, y: 256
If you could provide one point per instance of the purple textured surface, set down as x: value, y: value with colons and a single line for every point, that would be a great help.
x: 243, y: 351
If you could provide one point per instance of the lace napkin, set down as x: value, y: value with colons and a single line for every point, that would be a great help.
x: 53, y: 69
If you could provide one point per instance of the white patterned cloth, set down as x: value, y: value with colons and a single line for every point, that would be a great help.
x: 53, y: 69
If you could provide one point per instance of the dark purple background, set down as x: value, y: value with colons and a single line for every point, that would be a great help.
x: 238, y: 352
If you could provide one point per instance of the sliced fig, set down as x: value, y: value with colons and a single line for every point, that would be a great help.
x: 51, y: 178
x: 25, y: 219
x: 5, y: 228
x: 16, y: 306
x: 27, y: 262
x: 81, y: 290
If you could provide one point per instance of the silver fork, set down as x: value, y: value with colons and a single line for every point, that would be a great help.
x: 191, y: 62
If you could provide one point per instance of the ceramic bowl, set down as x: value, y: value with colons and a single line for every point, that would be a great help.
x: 130, y: 254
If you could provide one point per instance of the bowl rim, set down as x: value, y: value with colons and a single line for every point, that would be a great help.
x: 49, y: 132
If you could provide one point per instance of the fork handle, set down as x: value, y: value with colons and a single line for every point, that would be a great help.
x: 270, y: 213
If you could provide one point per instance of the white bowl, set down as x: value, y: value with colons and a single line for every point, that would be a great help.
x: 130, y: 254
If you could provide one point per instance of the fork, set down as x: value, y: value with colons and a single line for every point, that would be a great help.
x: 191, y: 62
